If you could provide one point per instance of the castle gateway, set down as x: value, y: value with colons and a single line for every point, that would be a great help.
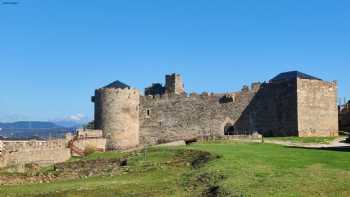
x: 290, y: 104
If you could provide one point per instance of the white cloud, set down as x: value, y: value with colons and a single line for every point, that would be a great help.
x: 72, y: 120
x: 76, y: 117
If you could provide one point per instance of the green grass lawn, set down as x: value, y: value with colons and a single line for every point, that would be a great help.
x: 243, y: 169
x: 99, y: 155
x: 273, y: 170
x: 313, y: 140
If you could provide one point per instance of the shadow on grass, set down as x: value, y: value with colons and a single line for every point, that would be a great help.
x: 336, y: 148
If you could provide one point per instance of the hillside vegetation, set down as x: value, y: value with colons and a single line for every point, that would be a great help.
x: 210, y: 169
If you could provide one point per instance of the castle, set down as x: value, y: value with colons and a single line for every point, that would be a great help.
x: 290, y: 104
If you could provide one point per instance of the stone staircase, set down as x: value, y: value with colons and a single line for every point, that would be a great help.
x: 75, y: 150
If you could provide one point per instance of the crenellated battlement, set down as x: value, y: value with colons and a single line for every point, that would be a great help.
x: 252, y: 89
x: 191, y: 96
x: 118, y: 91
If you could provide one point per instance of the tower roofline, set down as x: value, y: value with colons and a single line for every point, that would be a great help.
x: 293, y: 75
x: 117, y: 84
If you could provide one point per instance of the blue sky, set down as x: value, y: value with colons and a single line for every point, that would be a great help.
x: 54, y: 53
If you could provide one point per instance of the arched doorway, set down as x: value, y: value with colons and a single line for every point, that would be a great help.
x: 229, y: 129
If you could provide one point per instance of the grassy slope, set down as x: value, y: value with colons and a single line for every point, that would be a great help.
x: 249, y: 169
x: 273, y: 170
x: 147, y: 178
x: 98, y: 155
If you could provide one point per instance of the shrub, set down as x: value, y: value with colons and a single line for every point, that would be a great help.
x: 162, y: 141
x: 89, y: 149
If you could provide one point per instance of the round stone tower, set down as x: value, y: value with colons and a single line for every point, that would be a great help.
x: 117, y: 114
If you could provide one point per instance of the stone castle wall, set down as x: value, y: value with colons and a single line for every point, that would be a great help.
x: 175, y: 117
x: 272, y: 111
x: 291, y: 104
x: 344, y: 117
x: 277, y: 108
x: 317, y: 108
x: 117, y: 114
x: 42, y: 152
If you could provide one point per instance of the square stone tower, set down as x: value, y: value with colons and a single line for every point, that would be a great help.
x: 315, y: 100
x: 317, y: 108
x: 174, y: 84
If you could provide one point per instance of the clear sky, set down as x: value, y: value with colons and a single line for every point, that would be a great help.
x: 54, y: 53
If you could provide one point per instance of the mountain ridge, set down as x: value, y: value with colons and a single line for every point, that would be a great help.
x: 29, y: 125
x: 30, y: 129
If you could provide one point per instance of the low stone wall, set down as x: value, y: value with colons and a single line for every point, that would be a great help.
x: 86, y: 133
x: 41, y: 152
x: 98, y: 143
x: 91, y: 167
x: 33, y: 145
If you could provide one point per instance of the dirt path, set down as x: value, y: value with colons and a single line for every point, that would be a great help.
x: 338, y: 142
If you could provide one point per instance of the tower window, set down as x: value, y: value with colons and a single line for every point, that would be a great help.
x: 148, y: 112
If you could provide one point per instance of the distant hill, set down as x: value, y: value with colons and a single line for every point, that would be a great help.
x: 29, y: 125
x: 29, y: 129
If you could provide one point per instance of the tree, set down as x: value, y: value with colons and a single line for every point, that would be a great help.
x: 90, y: 125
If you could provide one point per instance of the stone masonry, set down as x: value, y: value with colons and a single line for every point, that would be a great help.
x: 117, y: 114
x: 291, y: 104
x: 174, y: 84
x: 34, y: 151
x: 317, y: 108
x: 17, y: 153
x: 344, y: 117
